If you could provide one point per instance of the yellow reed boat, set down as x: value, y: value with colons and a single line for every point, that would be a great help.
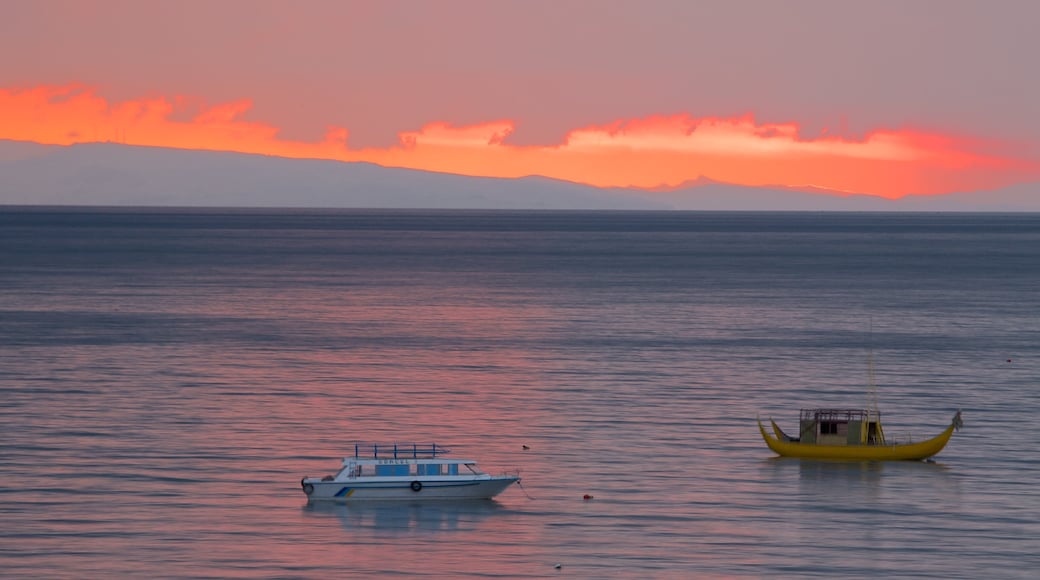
x: 852, y: 434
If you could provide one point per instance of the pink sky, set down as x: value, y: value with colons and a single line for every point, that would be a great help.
x: 885, y: 98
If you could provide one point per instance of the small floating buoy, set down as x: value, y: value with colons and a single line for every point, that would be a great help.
x: 1009, y: 360
x: 586, y: 497
x: 526, y: 447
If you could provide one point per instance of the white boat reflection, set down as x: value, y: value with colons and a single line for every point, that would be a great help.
x: 407, y: 517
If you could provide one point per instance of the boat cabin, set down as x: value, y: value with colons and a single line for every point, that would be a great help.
x: 397, y: 460
x: 841, y: 427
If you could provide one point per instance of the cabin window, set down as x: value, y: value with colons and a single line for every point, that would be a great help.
x: 385, y: 470
x: 429, y: 469
x: 834, y: 428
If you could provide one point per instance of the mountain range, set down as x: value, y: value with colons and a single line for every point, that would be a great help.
x: 113, y: 174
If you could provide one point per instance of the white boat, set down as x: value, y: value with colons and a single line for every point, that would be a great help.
x: 405, y: 472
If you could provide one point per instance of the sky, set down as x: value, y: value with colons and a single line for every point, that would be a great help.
x: 886, y: 98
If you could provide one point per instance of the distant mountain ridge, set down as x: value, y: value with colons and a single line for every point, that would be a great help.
x: 111, y: 174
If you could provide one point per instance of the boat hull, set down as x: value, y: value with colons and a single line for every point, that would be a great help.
x: 407, y: 490
x: 895, y: 452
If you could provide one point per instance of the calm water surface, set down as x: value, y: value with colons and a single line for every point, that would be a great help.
x: 167, y: 378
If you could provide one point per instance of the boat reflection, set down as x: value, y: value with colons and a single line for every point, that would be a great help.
x: 860, y: 483
x: 407, y: 517
x: 848, y: 472
x: 868, y: 472
x: 826, y: 473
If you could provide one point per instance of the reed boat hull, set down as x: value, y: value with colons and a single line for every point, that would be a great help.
x: 406, y: 490
x: 888, y: 452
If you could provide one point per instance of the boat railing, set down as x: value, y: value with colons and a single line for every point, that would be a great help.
x: 905, y: 438
x: 398, y: 450
x: 839, y: 415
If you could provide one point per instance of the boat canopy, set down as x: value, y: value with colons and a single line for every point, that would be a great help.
x: 842, y: 415
x: 398, y: 450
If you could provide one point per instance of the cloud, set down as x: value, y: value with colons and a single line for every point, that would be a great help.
x: 655, y: 152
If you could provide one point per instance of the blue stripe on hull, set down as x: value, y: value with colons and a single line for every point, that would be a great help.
x: 433, y: 485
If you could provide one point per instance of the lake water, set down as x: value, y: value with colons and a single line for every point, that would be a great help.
x: 167, y: 377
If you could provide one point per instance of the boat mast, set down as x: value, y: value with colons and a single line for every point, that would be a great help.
x: 872, y: 396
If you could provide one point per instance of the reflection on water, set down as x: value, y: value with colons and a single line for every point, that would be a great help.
x: 406, y: 517
x: 827, y: 471
x: 862, y: 471
x: 862, y: 482
x: 866, y: 473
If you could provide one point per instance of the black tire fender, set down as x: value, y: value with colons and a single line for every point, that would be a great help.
x: 416, y: 486
x: 307, y: 488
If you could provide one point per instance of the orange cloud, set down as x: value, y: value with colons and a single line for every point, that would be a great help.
x: 650, y: 153
x: 75, y: 114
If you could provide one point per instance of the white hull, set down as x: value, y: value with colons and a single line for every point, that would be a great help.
x: 398, y: 489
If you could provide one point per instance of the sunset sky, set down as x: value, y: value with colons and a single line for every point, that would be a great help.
x: 887, y: 98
